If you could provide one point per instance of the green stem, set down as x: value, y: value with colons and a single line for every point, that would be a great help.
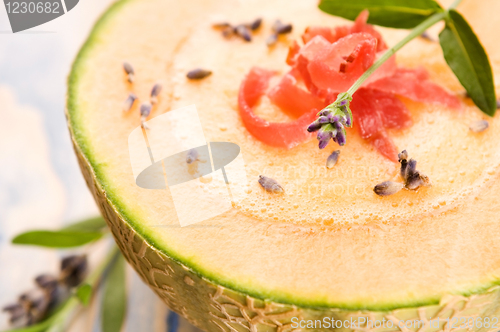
x: 71, y: 304
x: 417, y: 31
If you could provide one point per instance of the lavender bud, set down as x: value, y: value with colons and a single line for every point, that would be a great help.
x: 414, y: 181
x: 198, y: 74
x: 242, y: 31
x: 276, y: 25
x: 281, y: 28
x: 270, y: 184
x: 129, y: 70
x: 338, y: 125
x: 479, y: 126
x: 272, y: 40
x: 46, y: 281
x: 323, y: 144
x: 155, y: 92
x: 403, y: 160
x: 314, y: 126
x: 332, y: 117
x: 324, y: 112
x: 411, y: 168
x: 348, y: 121
x: 145, y: 110
x: 323, y: 119
x: 192, y: 156
x: 129, y: 102
x: 73, y: 270
x: 16, y: 311
x: 403, y: 156
x: 387, y: 188
x: 325, y: 133
x: 36, y: 304
x: 332, y: 159
x: 255, y: 24
x: 341, y: 137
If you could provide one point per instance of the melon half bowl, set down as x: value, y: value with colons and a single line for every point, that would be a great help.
x: 328, y: 247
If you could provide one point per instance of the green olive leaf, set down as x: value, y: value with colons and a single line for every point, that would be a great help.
x: 84, y: 293
x: 56, y: 239
x: 401, y: 14
x: 73, y: 235
x: 89, y: 225
x: 114, y: 300
x: 467, y: 58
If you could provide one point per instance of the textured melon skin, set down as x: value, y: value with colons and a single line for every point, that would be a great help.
x: 213, y: 307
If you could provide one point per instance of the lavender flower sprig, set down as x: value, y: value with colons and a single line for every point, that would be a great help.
x: 332, y: 121
x: 455, y: 33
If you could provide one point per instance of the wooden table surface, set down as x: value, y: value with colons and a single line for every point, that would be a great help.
x: 40, y: 183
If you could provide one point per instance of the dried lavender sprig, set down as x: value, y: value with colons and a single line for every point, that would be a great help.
x: 34, y: 305
x: 332, y: 121
x: 417, y: 31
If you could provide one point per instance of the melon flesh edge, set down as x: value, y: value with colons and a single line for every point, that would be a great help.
x: 236, y: 297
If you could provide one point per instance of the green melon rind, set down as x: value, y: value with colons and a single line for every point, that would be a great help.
x: 81, y: 139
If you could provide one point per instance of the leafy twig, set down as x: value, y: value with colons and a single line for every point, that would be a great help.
x: 59, y: 317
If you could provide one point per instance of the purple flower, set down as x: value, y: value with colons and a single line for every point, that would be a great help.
x: 323, y: 144
x: 314, y: 126
x: 323, y: 119
x: 333, y: 117
x: 324, y: 135
x: 332, y: 120
x: 341, y: 137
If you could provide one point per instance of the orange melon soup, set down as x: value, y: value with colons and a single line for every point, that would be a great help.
x: 325, y: 244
